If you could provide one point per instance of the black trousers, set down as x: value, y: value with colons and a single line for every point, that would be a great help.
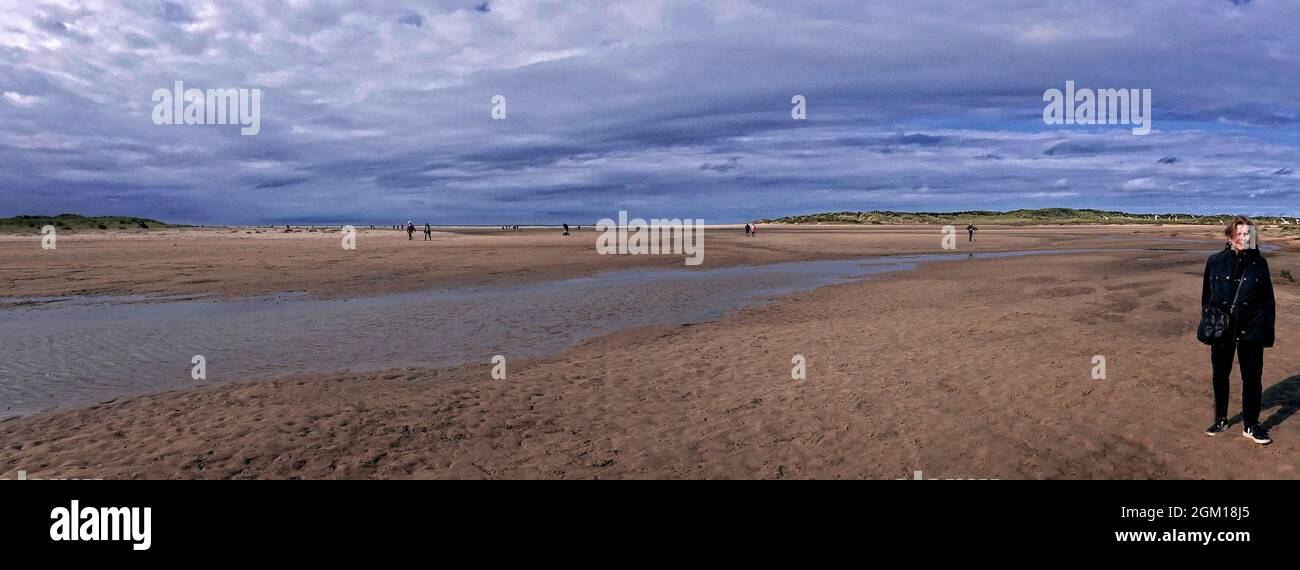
x: 1251, y: 357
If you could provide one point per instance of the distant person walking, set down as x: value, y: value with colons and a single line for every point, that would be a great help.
x: 410, y: 230
x: 753, y: 229
x: 428, y: 232
x: 970, y: 232
x: 1237, y: 282
x: 566, y: 229
x: 747, y: 229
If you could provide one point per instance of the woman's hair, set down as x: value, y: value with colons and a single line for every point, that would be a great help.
x: 1232, y: 225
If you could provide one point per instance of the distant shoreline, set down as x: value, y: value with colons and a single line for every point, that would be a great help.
x: 1020, y: 217
x: 1023, y: 217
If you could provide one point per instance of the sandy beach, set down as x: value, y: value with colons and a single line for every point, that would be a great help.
x: 975, y: 368
x: 231, y: 263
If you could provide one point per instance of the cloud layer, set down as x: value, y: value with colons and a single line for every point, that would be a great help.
x: 663, y: 108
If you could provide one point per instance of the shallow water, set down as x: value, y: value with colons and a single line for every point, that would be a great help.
x: 63, y: 352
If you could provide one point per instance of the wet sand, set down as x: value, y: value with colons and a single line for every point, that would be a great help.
x: 960, y: 369
x: 233, y: 263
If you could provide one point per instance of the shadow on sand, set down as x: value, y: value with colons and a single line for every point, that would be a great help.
x: 1285, y: 396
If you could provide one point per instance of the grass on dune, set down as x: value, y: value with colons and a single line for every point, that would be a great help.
x: 76, y: 223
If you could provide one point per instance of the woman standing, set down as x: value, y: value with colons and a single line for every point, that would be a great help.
x: 1237, y: 282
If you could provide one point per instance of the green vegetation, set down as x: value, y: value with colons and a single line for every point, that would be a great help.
x: 1019, y: 217
x: 75, y: 223
x: 1286, y: 274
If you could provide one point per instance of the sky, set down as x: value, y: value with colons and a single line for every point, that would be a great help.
x: 380, y: 112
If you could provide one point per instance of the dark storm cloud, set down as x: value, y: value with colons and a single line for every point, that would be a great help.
x: 381, y: 112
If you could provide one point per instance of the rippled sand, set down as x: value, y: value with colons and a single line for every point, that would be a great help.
x: 971, y: 369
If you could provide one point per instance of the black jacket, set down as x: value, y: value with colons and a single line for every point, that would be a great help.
x: 1252, y: 320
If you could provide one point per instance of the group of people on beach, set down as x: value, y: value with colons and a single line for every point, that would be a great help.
x: 428, y: 230
x: 410, y: 231
x: 751, y: 229
x: 516, y: 228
